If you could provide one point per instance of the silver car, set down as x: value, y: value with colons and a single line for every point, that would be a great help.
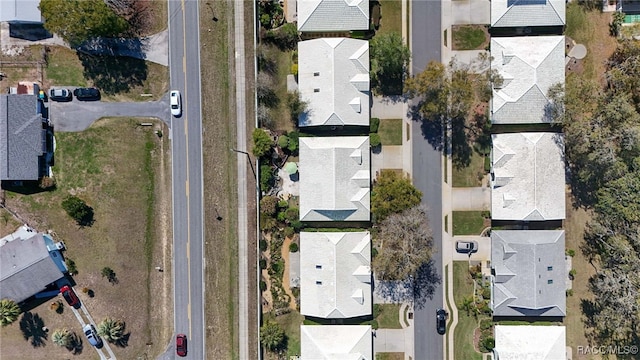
x: 90, y: 331
x: 60, y: 94
x: 466, y: 247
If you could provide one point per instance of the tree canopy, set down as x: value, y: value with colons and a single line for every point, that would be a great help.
x: 76, y: 21
x: 272, y: 336
x: 262, y: 143
x: 78, y: 210
x: 389, y: 63
x: 392, y: 193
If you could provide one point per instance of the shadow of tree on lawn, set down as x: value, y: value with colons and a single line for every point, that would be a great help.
x: 113, y: 74
x: 32, y: 326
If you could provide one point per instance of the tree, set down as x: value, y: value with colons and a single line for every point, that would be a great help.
x: 297, y: 106
x: 404, y: 242
x: 391, y: 194
x: 111, y: 330
x: 76, y: 21
x: 269, y: 205
x: 78, y: 210
x: 262, y: 143
x: 71, y: 266
x: 389, y: 63
x: 9, y: 311
x: 272, y: 336
x: 285, y: 37
x: 61, y: 337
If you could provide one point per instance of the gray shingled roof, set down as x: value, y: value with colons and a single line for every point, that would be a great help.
x: 522, y: 13
x: 21, y: 137
x: 333, y: 77
x: 530, y: 273
x: 333, y: 15
x: 529, y: 65
x: 26, y: 268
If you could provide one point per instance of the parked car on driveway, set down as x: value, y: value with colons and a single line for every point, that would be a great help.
x: 60, y: 94
x: 441, y: 321
x: 87, y: 94
x: 90, y: 332
x: 70, y: 296
x: 466, y: 247
x: 176, y: 103
x: 181, y: 345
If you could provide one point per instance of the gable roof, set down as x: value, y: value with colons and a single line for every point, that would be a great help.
x: 530, y: 342
x: 333, y: 78
x: 336, y: 342
x: 523, y: 13
x: 22, y: 138
x: 529, y: 65
x: 335, y: 274
x: 528, y: 177
x: 335, y: 178
x: 26, y: 267
x: 530, y: 273
x: 333, y: 15
x: 20, y: 11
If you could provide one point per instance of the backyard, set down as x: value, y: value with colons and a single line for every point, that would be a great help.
x: 122, y: 171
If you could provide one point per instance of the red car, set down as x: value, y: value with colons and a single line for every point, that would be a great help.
x: 181, y: 345
x: 70, y: 296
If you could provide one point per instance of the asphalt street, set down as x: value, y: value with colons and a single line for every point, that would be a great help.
x: 425, y: 38
x: 184, y: 67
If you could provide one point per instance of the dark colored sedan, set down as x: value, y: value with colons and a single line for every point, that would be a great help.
x: 87, y: 94
x: 441, y: 321
x: 70, y: 296
x: 181, y: 345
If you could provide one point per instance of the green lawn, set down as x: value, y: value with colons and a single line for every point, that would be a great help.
x: 64, y: 67
x: 468, y: 37
x: 467, y: 222
x: 464, y: 331
x: 291, y: 324
x: 391, y: 16
x: 390, y: 131
x: 389, y: 317
x: 470, y: 176
x: 390, y: 356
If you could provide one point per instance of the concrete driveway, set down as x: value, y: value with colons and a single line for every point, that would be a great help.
x: 79, y: 115
x: 484, y: 248
x: 470, y: 12
x: 471, y: 199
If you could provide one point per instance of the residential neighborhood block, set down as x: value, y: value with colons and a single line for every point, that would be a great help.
x: 529, y: 273
x: 528, y: 177
x: 332, y: 15
x: 335, y: 274
x: 327, y: 342
x: 335, y: 178
x: 530, y: 342
x: 529, y: 66
x: 526, y: 13
x: 333, y: 78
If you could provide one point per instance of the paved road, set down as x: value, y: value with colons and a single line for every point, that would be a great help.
x: 184, y: 67
x: 79, y: 115
x: 427, y: 174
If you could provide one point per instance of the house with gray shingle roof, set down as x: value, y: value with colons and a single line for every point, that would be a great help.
x: 333, y: 342
x: 529, y: 66
x: 29, y: 263
x: 527, y: 177
x: 23, y: 138
x: 527, y: 13
x: 332, y: 15
x: 529, y: 273
x: 333, y: 79
x: 335, y: 274
x: 335, y: 178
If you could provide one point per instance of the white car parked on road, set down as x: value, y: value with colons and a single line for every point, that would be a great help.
x: 176, y: 103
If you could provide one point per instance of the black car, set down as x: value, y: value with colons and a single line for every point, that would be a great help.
x: 87, y: 94
x: 441, y: 321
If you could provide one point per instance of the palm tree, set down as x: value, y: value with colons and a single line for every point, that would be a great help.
x: 272, y: 336
x: 61, y: 337
x: 110, y: 329
x: 9, y: 311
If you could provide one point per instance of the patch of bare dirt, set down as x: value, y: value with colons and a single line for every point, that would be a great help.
x: 285, y: 277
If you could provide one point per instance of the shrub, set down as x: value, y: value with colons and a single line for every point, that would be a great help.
x: 85, y: 290
x: 374, y: 140
x: 263, y: 264
x: 283, y: 141
x: 263, y: 245
x: 262, y: 143
x: 268, y: 224
x: 487, y: 344
x: 78, y: 210
x: 486, y: 293
x: 297, y: 225
x: 485, y: 324
x: 283, y: 204
x: 263, y: 286
x: 292, y: 214
x: 282, y: 216
x: 71, y: 266
x: 293, y: 247
x: 47, y: 183
x: 289, y: 231
x: 569, y: 292
x: 570, y: 252
x: 293, y: 142
x: 377, y: 309
x: 374, y: 124
x: 486, y: 214
x: 572, y: 274
x: 266, y: 177
x: 268, y: 205
x: 294, y: 69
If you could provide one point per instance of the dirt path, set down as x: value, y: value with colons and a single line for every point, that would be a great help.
x: 285, y: 276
